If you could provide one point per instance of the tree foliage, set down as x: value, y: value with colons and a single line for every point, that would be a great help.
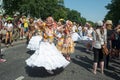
x: 74, y: 16
x: 114, y: 11
x: 43, y: 9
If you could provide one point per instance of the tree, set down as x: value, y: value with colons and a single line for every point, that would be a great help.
x: 43, y: 9
x: 74, y: 16
x: 11, y: 6
x: 60, y: 13
x: 83, y: 20
x: 114, y: 11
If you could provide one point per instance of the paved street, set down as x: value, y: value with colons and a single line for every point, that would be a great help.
x: 80, y: 67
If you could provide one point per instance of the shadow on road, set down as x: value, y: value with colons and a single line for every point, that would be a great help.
x: 112, y: 74
x: 116, y: 61
x: 82, y: 49
x: 30, y: 52
x: 84, y: 62
x: 41, y: 72
x: 113, y: 70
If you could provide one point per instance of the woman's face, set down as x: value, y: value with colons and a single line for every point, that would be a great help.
x: 9, y: 21
x: 50, y: 20
x: 31, y: 20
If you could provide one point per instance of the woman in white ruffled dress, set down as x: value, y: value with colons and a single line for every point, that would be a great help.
x: 75, y: 36
x: 47, y: 55
x: 37, y: 37
x: 87, y: 38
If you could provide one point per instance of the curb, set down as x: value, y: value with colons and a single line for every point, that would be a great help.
x: 15, y: 43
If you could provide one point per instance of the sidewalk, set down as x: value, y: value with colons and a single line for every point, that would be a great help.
x: 14, y: 43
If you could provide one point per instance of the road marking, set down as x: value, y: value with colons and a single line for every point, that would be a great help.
x: 20, y: 78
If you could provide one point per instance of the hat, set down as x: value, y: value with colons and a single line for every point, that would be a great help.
x: 99, y: 23
x: 9, y: 18
x: 61, y: 19
x: 109, y: 22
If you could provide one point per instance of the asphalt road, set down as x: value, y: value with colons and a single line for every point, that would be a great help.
x: 80, y: 67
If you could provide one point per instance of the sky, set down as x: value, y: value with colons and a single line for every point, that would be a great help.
x: 93, y: 10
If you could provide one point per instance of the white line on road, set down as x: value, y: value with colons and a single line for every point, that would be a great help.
x: 20, y: 78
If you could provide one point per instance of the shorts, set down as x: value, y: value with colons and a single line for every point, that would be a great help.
x: 25, y: 29
x: 98, y: 55
x: 9, y: 32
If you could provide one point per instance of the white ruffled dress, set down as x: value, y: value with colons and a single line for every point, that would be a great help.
x: 47, y: 56
x: 34, y: 42
x: 75, y: 36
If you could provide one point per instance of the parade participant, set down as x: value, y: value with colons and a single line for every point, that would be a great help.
x: 59, y: 30
x: 88, y: 35
x: 47, y: 55
x: 31, y: 29
x: 85, y: 29
x: 80, y: 30
x: 99, y: 39
x: 74, y: 34
x: 60, y: 35
x: 68, y: 43
x: 60, y: 43
x: 36, y: 35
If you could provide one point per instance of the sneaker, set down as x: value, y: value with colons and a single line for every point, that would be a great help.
x: 24, y: 37
x: 49, y: 71
x: 2, y: 60
x: 20, y: 37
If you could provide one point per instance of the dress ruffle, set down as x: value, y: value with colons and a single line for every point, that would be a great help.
x: 34, y: 42
x: 75, y: 36
x: 47, y: 56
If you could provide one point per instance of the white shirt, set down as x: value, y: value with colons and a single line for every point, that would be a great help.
x: 80, y: 28
x: 100, y: 39
x: 74, y: 28
x: 9, y: 26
